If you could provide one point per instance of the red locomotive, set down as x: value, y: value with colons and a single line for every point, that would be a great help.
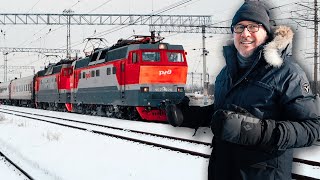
x: 132, y: 79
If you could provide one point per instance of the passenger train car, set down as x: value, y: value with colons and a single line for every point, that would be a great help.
x: 132, y: 79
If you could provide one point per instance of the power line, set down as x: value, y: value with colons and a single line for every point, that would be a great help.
x: 100, y: 6
x: 33, y: 6
x: 109, y: 31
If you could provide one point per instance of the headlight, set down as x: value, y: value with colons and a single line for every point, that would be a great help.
x: 144, y: 89
x: 180, y: 89
x: 163, y: 46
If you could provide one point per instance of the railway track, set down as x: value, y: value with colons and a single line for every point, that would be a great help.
x: 17, y: 167
x: 116, y: 128
x: 176, y: 140
x: 161, y: 141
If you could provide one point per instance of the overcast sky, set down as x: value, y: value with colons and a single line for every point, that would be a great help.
x: 50, y: 36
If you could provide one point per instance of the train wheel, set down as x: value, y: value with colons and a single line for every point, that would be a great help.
x: 100, y: 111
x: 132, y: 113
x: 109, y: 111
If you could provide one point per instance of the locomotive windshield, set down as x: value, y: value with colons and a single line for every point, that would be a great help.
x: 175, y: 57
x: 151, y: 56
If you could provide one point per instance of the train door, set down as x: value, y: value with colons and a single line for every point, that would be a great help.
x: 122, y: 83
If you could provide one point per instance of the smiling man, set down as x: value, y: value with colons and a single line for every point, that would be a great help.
x: 263, y: 103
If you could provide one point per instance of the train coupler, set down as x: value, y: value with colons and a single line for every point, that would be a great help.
x: 174, y: 114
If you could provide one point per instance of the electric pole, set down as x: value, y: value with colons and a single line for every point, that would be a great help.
x: 68, y: 15
x: 5, y: 70
x: 315, y: 71
x: 204, y: 55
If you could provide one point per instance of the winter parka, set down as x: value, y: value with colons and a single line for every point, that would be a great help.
x: 274, y: 88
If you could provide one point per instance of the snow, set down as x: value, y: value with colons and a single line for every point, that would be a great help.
x: 7, y: 171
x: 47, y: 151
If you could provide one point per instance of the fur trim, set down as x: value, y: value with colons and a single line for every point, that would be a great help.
x: 282, y: 36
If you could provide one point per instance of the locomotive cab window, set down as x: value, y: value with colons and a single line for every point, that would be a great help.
x: 151, y: 56
x: 175, y: 57
x: 135, y: 57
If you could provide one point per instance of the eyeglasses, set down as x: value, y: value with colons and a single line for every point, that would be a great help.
x: 252, y: 28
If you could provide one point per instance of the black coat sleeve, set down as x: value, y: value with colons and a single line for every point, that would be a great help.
x: 301, y: 124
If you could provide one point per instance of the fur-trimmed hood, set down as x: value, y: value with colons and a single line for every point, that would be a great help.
x: 272, y: 51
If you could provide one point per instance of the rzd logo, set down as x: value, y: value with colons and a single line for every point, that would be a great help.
x: 169, y: 71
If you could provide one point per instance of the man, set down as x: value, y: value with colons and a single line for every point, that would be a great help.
x: 263, y: 103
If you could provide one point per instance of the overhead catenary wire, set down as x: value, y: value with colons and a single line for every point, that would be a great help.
x: 165, y: 9
x: 100, y: 6
x: 50, y: 30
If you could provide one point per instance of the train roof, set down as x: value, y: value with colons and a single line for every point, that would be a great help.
x: 154, y: 46
x: 55, y: 68
x: 120, y: 52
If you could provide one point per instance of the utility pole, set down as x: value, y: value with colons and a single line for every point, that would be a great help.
x: 204, y: 55
x: 68, y: 15
x: 5, y: 70
x: 192, y: 82
x: 315, y: 72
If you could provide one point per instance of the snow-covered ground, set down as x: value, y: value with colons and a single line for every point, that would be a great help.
x: 48, y: 151
x: 8, y: 172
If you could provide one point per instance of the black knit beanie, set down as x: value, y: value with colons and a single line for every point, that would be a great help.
x: 253, y: 11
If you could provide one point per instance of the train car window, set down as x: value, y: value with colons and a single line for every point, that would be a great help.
x: 79, y: 75
x: 114, y: 70
x: 97, y: 72
x: 83, y: 75
x: 93, y: 73
x: 151, y: 56
x: 108, y: 71
x: 134, y: 57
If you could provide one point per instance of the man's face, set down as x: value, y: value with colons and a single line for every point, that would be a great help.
x: 246, y: 42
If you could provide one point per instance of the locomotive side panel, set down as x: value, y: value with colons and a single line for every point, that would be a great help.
x: 48, y: 88
x: 96, y: 85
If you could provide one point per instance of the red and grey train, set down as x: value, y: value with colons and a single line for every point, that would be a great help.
x: 132, y: 79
